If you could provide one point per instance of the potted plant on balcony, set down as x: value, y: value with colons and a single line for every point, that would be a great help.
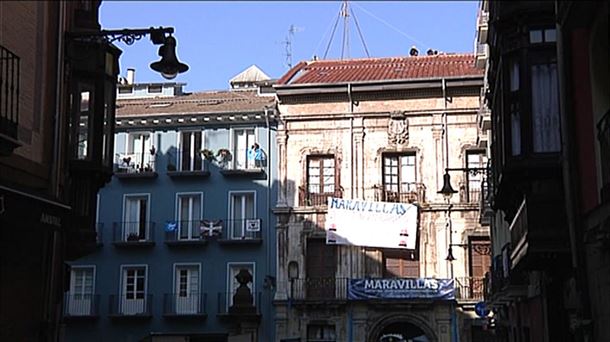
x: 133, y: 237
x: 208, y: 155
x: 224, y: 157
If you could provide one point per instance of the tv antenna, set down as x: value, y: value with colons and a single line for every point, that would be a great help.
x: 346, y: 12
x: 288, y: 43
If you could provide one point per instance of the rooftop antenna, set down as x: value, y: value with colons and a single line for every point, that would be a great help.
x: 288, y: 43
x: 346, y: 12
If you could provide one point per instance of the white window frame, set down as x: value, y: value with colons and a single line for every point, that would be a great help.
x: 72, y: 307
x: 231, y: 224
x: 232, y: 146
x: 177, y: 215
x: 120, y: 309
x: 124, y: 233
x: 136, y: 163
x: 193, y: 148
x: 198, y: 307
x: 230, y: 289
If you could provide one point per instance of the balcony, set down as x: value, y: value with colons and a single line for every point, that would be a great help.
x: 318, y: 289
x: 410, y: 193
x: 135, y: 165
x: 133, y: 234
x: 186, y: 163
x: 539, y: 234
x: 184, y: 305
x: 9, y: 101
x: 240, y: 232
x: 311, y: 199
x: 469, y: 289
x: 186, y: 233
x: 81, y: 306
x: 226, y: 310
x: 133, y: 306
x: 603, y: 136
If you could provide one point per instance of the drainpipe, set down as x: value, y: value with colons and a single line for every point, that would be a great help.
x: 351, y: 135
x: 268, y: 237
x: 444, y: 86
x: 57, y: 129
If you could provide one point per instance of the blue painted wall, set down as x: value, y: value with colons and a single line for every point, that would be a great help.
x: 160, y: 258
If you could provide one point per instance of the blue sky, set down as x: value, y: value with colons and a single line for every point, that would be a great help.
x: 219, y: 39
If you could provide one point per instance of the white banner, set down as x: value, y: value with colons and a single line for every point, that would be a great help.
x: 371, y: 224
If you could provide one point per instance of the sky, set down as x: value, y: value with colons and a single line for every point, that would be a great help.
x: 219, y: 39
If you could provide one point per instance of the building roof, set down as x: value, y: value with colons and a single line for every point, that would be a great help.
x: 250, y: 75
x: 212, y: 102
x: 381, y: 69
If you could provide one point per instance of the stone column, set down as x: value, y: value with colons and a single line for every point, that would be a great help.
x: 282, y: 140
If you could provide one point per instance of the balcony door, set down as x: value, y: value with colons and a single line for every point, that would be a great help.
x: 320, y: 268
x: 243, y: 139
x: 321, y: 179
x: 139, y: 147
x: 233, y: 284
x: 189, y: 211
x: 400, y: 264
x: 135, y: 225
x: 81, y: 291
x: 133, y: 292
x: 187, y: 289
x: 242, y: 209
x: 398, y: 177
x: 480, y: 262
x: 189, y: 154
x: 475, y: 159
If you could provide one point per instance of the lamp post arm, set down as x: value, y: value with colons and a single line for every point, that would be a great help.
x: 127, y: 36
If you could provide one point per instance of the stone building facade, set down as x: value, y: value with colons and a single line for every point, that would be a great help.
x: 379, y: 130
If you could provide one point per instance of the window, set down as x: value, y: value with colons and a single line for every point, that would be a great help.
x: 321, y: 333
x: 233, y: 284
x: 154, y: 89
x: 187, y: 289
x: 475, y: 160
x: 135, y: 224
x: 80, y: 297
x: 542, y: 36
x: 243, y: 223
x: 243, y: 139
x: 545, y: 108
x: 133, y: 290
x: 321, y: 179
x: 189, y: 153
x: 140, y: 154
x: 480, y: 261
x: 400, y: 264
x: 515, y: 113
x: 320, y: 269
x: 398, y: 177
x: 189, y: 215
x: 125, y: 90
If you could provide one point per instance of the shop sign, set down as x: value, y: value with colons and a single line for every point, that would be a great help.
x: 401, y: 288
x: 371, y: 224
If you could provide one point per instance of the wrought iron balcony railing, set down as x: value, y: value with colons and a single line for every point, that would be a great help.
x: 9, y: 92
x: 186, y: 161
x: 225, y: 304
x: 130, y: 305
x: 81, y: 305
x: 130, y: 163
x: 327, y: 288
x: 184, y: 304
x: 315, y: 199
x: 470, y: 288
x: 185, y: 232
x: 408, y: 193
x: 133, y: 232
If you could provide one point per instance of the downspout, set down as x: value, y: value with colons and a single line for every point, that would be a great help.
x: 269, y: 211
x: 351, y: 135
x: 446, y: 155
x: 57, y: 129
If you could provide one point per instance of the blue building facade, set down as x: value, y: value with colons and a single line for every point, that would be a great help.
x: 185, y: 232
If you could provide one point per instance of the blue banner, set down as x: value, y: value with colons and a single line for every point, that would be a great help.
x: 401, y: 288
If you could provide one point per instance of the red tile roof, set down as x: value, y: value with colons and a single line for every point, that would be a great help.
x: 196, y: 103
x: 381, y: 69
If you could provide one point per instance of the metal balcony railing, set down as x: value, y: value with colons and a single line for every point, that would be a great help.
x: 185, y: 231
x: 469, y: 288
x: 408, y: 193
x: 133, y: 232
x: 315, y: 199
x: 186, y: 161
x: 81, y: 305
x: 130, y: 305
x: 184, y: 303
x: 243, y: 229
x: 326, y: 288
x: 135, y: 162
x: 225, y: 306
x: 9, y: 92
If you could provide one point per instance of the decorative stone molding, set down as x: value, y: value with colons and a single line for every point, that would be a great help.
x: 398, y: 129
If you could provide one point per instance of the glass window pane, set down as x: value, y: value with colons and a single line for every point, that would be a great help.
x: 550, y: 35
x: 514, y: 76
x: 536, y: 36
x: 545, y: 108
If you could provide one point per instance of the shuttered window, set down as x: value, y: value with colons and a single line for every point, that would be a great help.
x: 400, y: 264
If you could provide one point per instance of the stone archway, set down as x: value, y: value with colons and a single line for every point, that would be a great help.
x: 411, y: 327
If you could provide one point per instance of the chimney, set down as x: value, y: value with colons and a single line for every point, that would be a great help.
x: 131, y: 75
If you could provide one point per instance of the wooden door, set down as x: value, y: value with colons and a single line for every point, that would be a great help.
x: 321, y: 266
